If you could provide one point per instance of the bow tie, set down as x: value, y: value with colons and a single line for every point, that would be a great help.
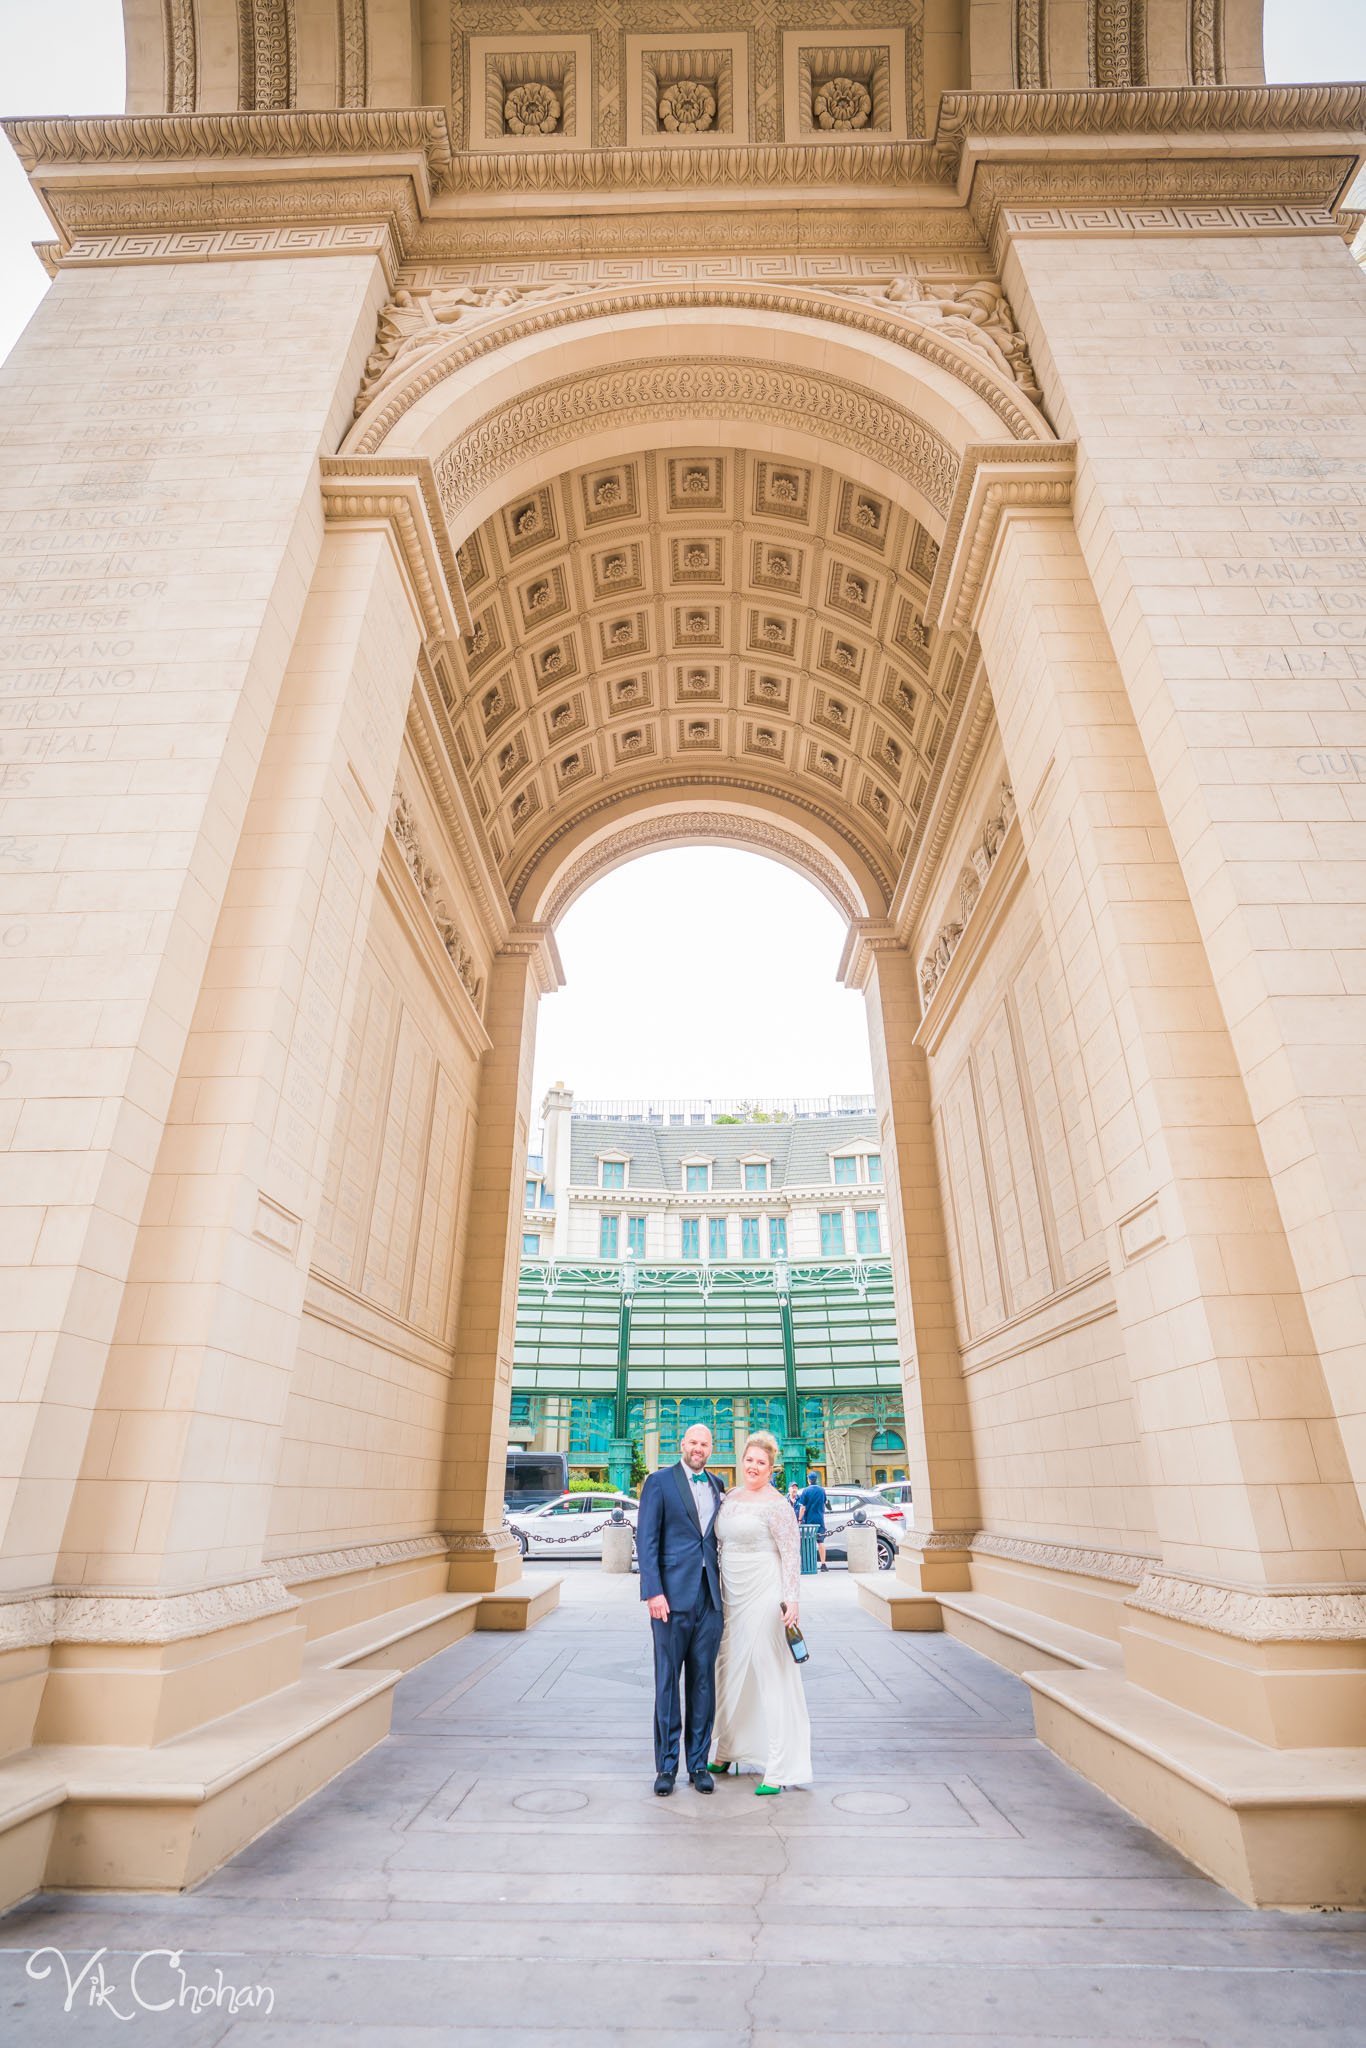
x: 698, y: 1478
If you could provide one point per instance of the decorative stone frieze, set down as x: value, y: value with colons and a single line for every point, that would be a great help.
x: 966, y: 331
x: 1122, y: 1567
x: 981, y: 860
x: 117, y: 1615
x: 430, y: 887
x: 1255, y: 1615
x: 360, y: 1557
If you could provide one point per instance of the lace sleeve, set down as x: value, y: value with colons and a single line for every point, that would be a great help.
x: 783, y: 1528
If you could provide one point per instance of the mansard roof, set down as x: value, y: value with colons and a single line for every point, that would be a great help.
x: 799, y: 1151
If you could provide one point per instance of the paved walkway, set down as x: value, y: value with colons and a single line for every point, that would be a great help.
x: 500, y: 1872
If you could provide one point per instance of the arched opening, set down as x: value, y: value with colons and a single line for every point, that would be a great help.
x: 706, y: 1217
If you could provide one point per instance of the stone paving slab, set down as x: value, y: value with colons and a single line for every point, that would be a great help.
x: 499, y: 1871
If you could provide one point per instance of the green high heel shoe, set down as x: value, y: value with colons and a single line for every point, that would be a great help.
x: 762, y: 1791
x: 718, y: 1770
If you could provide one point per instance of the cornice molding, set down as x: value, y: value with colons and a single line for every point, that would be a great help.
x: 867, y: 937
x: 993, y: 479
x: 1255, y: 1614
x: 118, y: 1615
x: 535, y: 943
x: 772, y: 167
x: 1234, y: 113
x: 401, y: 493
x: 137, y: 141
x: 688, y: 827
x: 1217, y: 192
x: 410, y: 873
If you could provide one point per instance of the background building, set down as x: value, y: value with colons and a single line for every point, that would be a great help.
x: 708, y: 1262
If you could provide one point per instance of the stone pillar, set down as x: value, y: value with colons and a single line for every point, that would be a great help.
x: 176, y: 1485
x: 483, y: 1554
x: 934, y: 1551
x: 1260, y: 1533
x: 1213, y: 383
x: 163, y: 526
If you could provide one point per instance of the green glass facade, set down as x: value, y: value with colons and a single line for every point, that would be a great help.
x: 654, y: 1348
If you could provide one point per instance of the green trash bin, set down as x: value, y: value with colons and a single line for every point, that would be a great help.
x: 810, y: 1555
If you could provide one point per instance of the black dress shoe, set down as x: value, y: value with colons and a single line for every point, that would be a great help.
x: 664, y: 1784
x: 701, y: 1781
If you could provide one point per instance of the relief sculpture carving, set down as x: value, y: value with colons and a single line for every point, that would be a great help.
x: 981, y: 861
x: 976, y: 313
x: 403, y: 825
x: 412, y: 324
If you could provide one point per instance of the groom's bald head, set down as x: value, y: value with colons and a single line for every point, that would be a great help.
x: 696, y: 1446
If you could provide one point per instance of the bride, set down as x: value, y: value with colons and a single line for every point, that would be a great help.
x: 761, y: 1713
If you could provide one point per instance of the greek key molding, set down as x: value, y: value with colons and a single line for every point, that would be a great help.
x: 1074, y: 223
x: 70, y: 1615
x: 357, y: 1557
x: 229, y: 245
x: 643, y: 393
x: 1122, y: 1567
x: 1260, y: 1616
x: 690, y: 826
x: 664, y: 783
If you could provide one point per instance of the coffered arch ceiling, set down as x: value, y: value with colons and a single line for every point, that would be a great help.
x: 712, y: 620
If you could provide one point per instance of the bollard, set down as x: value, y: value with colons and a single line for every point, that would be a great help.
x: 618, y: 1542
x: 860, y: 1547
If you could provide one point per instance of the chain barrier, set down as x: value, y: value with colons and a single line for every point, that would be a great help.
x: 575, y: 1536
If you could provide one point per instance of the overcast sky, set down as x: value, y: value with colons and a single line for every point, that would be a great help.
x: 698, y: 971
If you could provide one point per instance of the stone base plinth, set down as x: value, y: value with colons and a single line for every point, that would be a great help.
x: 932, y: 1568
x: 1292, y: 1695
x: 145, y: 1817
x: 483, y: 1561
x: 1278, y: 1827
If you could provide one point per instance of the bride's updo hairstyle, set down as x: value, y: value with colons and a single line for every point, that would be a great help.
x: 761, y: 1440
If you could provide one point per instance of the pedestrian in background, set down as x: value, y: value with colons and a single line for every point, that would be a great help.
x: 811, y: 1504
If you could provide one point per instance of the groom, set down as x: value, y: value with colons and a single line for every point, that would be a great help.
x: 680, y: 1583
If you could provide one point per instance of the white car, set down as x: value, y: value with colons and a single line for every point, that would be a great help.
x: 841, y: 1505
x: 571, y: 1525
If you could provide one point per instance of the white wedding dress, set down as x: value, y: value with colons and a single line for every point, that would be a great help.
x: 761, y: 1715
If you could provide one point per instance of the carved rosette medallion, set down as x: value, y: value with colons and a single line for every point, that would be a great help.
x: 841, y: 104
x: 687, y: 107
x: 531, y: 109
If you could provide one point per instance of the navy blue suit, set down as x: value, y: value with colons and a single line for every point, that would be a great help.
x: 678, y: 1560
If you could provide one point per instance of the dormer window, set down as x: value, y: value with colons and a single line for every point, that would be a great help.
x: 856, y: 1169
x: 612, y: 1173
x: 697, y: 1176
x: 756, y: 1174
